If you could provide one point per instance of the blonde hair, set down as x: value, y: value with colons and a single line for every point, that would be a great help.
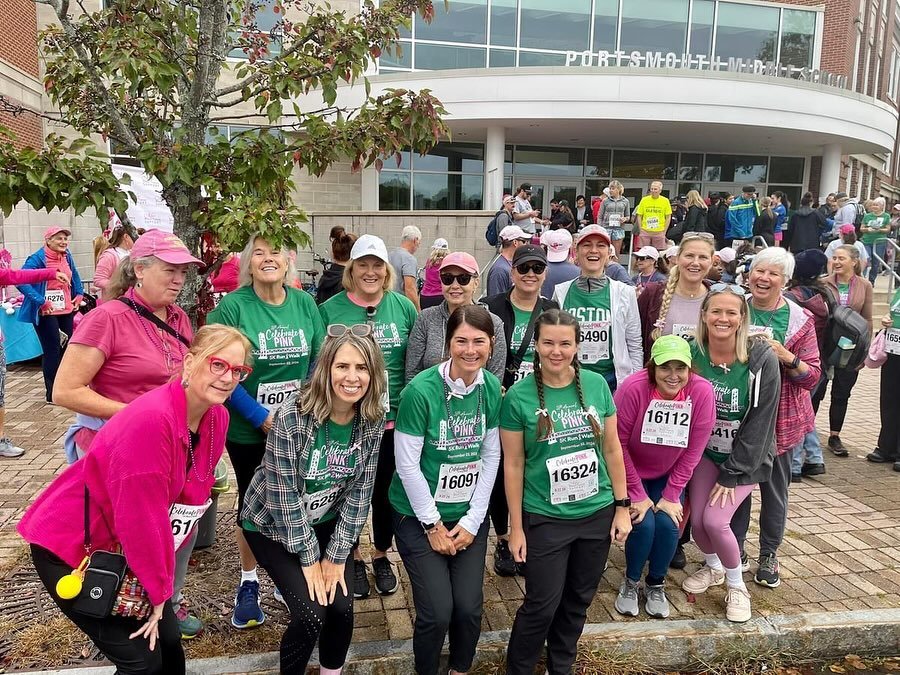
x: 317, y: 397
x: 436, y: 256
x: 694, y: 199
x: 742, y: 337
x: 389, y: 278
x: 124, y: 277
x: 101, y: 243
x: 215, y: 337
x: 244, y: 276
x: 672, y: 283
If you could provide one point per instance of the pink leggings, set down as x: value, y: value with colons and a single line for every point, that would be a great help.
x: 712, y: 524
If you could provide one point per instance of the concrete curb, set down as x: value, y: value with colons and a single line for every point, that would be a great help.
x: 661, y: 644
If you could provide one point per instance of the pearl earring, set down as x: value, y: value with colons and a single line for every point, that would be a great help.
x: 139, y: 284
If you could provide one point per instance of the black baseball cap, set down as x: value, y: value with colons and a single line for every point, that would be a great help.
x: 525, y: 186
x: 529, y: 253
x: 747, y: 189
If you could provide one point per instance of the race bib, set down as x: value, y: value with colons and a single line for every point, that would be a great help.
x: 652, y: 223
x: 594, y: 341
x: 386, y: 396
x: 526, y: 368
x: 615, y: 220
x: 761, y: 330
x: 184, y: 518
x: 271, y: 395
x: 723, y: 434
x: 892, y: 340
x: 667, y: 423
x: 684, y: 330
x: 57, y: 300
x: 573, y: 477
x: 318, y: 504
x: 456, y: 482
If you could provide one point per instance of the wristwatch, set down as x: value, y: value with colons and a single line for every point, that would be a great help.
x: 624, y: 503
x: 795, y: 363
x: 428, y: 527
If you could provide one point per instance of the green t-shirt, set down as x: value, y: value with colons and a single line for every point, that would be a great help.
x: 895, y: 309
x: 843, y: 293
x: 871, y: 220
x: 285, y: 339
x: 394, y: 319
x: 565, y: 475
x: 593, y: 311
x: 522, y: 318
x: 329, y: 472
x: 732, y: 389
x: 451, y: 455
x: 772, y: 324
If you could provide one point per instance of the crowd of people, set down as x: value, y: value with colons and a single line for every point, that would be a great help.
x: 568, y: 406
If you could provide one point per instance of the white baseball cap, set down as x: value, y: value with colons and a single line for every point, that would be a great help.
x: 511, y: 232
x: 369, y: 244
x: 671, y: 252
x: 558, y: 243
x: 727, y: 254
x: 440, y: 244
x: 648, y: 252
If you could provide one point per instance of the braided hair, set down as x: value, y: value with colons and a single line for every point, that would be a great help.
x: 671, y: 284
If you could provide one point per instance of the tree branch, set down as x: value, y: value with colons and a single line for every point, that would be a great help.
x: 255, y: 77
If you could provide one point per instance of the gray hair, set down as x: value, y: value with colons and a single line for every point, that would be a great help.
x: 124, y: 277
x: 776, y: 257
x: 244, y: 276
x: 411, y: 233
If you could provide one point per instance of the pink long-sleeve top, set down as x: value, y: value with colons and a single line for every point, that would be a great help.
x: 647, y: 461
x: 136, y: 470
x: 14, y: 277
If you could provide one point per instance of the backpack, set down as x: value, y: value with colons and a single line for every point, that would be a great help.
x: 860, y: 214
x: 491, y: 234
x: 820, y: 302
x: 847, y: 341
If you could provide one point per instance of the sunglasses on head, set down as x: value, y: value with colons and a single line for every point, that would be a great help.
x: 462, y: 279
x: 536, y: 267
x: 699, y: 235
x: 336, y: 330
x: 727, y: 288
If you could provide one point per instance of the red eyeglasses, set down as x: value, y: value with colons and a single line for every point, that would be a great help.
x: 219, y: 367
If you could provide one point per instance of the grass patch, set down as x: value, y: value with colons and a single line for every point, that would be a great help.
x: 744, y: 658
x: 588, y: 662
x: 45, y: 644
x: 265, y: 638
x: 16, y: 561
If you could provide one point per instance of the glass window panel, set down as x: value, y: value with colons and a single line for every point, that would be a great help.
x: 541, y: 59
x: 537, y: 161
x: 735, y: 168
x: 404, y: 31
x: 644, y: 164
x: 447, y: 192
x: 503, y: 23
x: 508, y: 161
x: 393, y: 191
x: 456, y: 21
x: 798, y: 28
x: 472, y: 192
x: 792, y: 192
x: 390, y: 161
x: 702, y: 27
x: 746, y: 31
x: 561, y: 24
x: 396, y: 56
x: 606, y: 16
x: 445, y: 157
x: 436, y: 57
x: 654, y: 25
x: 691, y: 166
x: 786, y: 169
x: 502, y: 58
x: 598, y: 163
x: 684, y: 188
x: 593, y: 188
x: 265, y: 19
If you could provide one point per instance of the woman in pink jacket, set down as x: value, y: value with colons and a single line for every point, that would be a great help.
x: 141, y: 490
x: 666, y: 414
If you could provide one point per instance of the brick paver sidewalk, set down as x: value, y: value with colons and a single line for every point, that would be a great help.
x: 842, y: 549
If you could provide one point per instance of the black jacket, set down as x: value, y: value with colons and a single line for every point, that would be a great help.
x: 715, y: 219
x: 501, y: 306
x: 331, y: 283
x: 588, y: 216
x: 805, y: 228
x: 764, y: 226
x: 696, y: 220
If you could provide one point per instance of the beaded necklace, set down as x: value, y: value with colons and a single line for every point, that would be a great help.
x: 209, y: 468
x: 159, y: 341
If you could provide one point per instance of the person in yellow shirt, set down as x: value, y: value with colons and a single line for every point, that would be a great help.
x: 652, y: 217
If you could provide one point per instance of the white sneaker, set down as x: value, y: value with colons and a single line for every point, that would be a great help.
x: 7, y: 449
x: 737, y: 604
x: 702, y: 579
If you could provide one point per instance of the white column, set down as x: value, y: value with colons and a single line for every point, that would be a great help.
x: 831, y: 169
x: 494, y: 151
x: 369, y: 189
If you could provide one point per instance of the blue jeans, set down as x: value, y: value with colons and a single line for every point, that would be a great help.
x: 875, y: 266
x: 808, y: 451
x: 654, y: 539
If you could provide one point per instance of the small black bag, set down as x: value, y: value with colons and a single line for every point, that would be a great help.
x: 102, y: 580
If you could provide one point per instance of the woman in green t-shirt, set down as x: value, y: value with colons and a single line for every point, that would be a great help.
x: 875, y: 225
x: 447, y: 448
x: 309, y: 500
x: 888, y: 449
x: 567, y: 493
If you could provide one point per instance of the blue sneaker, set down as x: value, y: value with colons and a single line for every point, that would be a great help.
x: 247, y: 612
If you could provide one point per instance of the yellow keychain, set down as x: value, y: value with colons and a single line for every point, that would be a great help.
x: 69, y: 586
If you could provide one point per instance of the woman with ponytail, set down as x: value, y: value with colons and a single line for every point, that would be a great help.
x: 567, y: 493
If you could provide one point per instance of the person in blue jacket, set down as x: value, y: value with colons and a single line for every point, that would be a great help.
x: 51, y: 305
x: 741, y: 214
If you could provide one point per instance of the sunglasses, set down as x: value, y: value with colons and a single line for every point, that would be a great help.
x: 336, y: 330
x: 462, y: 279
x: 727, y: 288
x: 642, y: 257
x: 699, y: 235
x: 219, y: 367
x: 536, y: 267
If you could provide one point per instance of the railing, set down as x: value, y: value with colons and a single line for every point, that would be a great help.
x: 894, y: 278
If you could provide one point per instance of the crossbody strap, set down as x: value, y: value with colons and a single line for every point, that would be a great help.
x: 513, y: 365
x: 155, y: 320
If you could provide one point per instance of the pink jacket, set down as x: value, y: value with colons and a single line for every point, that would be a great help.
x: 646, y: 461
x: 136, y: 470
x: 15, y: 277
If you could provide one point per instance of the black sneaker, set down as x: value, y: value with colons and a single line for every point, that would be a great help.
x: 796, y: 478
x: 837, y: 448
x: 385, y: 580
x: 678, y: 560
x: 504, y: 565
x: 767, y: 573
x: 812, y: 470
x: 896, y: 466
x: 520, y: 566
x: 361, y: 587
x: 877, y: 458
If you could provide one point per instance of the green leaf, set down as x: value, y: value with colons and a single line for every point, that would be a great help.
x: 273, y: 111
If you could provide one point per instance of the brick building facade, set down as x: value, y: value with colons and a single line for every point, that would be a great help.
x: 20, y: 69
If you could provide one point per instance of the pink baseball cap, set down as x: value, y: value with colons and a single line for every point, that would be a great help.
x: 847, y: 228
x: 165, y: 246
x: 56, y: 229
x: 558, y: 243
x: 464, y: 261
x: 593, y: 231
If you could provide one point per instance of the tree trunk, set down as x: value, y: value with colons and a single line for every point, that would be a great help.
x: 184, y: 201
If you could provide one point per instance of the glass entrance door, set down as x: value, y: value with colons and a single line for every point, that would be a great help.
x: 544, y: 190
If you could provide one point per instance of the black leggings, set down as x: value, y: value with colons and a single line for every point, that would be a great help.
x: 309, y: 619
x: 245, y: 458
x: 841, y: 387
x: 47, y: 329
x: 382, y: 511
x: 111, y: 633
x: 499, y: 509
